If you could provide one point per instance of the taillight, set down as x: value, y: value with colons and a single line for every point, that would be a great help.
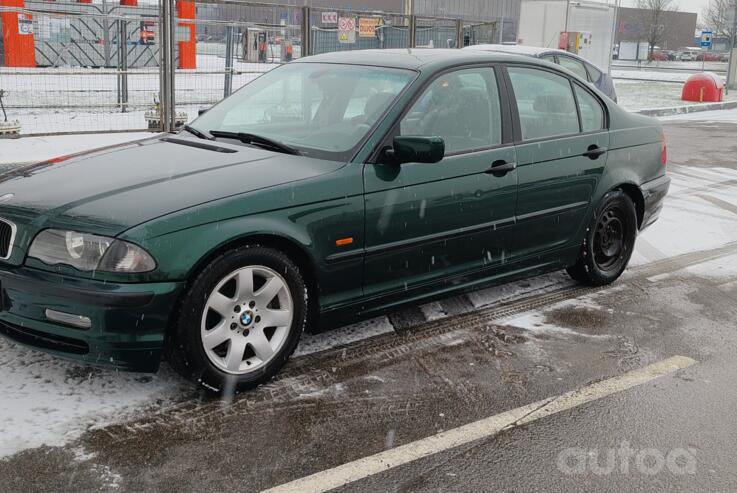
x: 663, y: 150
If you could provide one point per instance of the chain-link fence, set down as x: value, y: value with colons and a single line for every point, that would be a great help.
x: 93, y: 67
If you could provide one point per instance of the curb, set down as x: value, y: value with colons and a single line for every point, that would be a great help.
x: 694, y: 108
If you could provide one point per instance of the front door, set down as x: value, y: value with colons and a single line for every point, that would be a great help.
x: 429, y: 224
x: 560, y: 155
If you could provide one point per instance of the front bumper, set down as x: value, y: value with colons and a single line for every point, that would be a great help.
x: 128, y: 321
x: 653, y: 192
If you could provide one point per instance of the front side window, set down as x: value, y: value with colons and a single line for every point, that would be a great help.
x: 322, y: 110
x: 462, y: 107
x: 592, y: 116
x: 545, y: 103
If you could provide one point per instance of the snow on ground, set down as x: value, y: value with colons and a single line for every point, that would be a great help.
x: 635, y: 95
x: 718, y: 116
x: 650, y: 75
x: 310, y: 343
x: 709, y: 225
x: 33, y: 149
x: 50, y: 401
x: 512, y: 290
x: 536, y: 321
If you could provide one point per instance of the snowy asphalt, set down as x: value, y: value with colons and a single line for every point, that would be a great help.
x: 536, y: 385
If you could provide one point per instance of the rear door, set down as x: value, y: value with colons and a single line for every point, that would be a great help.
x: 561, y: 140
x: 432, y: 224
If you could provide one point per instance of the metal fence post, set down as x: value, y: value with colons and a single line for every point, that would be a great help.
x: 106, y: 33
x: 123, y: 65
x: 306, y: 32
x: 412, y: 31
x: 228, y: 84
x: 166, y: 65
x: 459, y: 33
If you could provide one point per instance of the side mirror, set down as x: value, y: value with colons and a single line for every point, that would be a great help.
x: 416, y: 149
x: 202, y: 111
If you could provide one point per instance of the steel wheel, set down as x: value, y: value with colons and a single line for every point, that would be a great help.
x: 609, y: 239
x: 246, y: 320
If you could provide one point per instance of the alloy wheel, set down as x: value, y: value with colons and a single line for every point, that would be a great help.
x: 246, y: 319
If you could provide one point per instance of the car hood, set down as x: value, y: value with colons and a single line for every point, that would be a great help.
x: 109, y: 190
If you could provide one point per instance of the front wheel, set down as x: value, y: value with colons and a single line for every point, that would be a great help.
x: 240, y: 320
x: 609, y: 241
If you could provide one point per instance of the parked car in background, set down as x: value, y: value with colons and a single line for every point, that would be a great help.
x: 688, y: 55
x: 658, y: 56
x: 579, y: 66
x: 708, y: 57
x: 330, y: 189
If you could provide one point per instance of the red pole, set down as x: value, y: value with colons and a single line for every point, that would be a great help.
x: 188, y: 47
x: 17, y: 34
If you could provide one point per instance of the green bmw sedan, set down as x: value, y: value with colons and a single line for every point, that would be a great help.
x: 329, y: 189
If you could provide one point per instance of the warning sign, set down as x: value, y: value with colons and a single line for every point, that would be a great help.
x: 148, y: 34
x: 25, y: 24
x: 347, y: 30
x: 367, y: 26
x: 329, y: 18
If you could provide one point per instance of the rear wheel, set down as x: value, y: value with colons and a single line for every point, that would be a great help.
x: 609, y: 241
x: 240, y: 320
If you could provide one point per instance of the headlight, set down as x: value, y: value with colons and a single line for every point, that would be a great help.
x: 89, y: 252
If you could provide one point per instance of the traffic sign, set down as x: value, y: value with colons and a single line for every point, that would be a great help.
x: 706, y: 37
x: 347, y: 30
x: 329, y: 17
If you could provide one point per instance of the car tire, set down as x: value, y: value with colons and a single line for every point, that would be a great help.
x: 608, y: 243
x: 232, y: 334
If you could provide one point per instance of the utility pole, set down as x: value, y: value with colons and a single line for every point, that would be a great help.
x: 614, y: 35
x: 732, y: 61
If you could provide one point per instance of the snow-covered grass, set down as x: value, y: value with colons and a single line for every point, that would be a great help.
x: 635, y: 95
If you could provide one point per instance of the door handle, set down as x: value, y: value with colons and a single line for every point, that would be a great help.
x: 500, y: 167
x: 594, y: 151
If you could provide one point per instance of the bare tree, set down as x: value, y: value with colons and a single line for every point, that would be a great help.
x: 654, y: 19
x: 718, y: 17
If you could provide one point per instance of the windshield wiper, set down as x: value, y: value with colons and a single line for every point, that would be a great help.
x: 198, y: 133
x: 256, y: 140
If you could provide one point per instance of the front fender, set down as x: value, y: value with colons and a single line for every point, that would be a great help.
x: 181, y: 242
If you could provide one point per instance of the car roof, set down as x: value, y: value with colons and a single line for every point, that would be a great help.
x: 411, y: 58
x: 535, y: 51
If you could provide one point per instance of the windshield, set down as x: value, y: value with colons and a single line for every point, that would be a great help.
x: 322, y: 110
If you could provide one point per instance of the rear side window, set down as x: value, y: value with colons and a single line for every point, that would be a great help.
x: 592, y: 115
x: 462, y: 107
x: 594, y: 73
x: 548, y: 58
x: 545, y: 103
x: 574, y: 66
